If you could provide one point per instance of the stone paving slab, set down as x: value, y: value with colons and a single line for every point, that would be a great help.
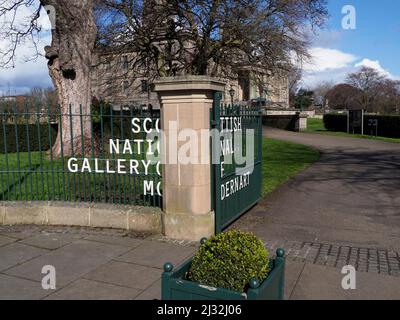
x: 19, y: 232
x: 151, y: 293
x: 156, y: 254
x: 293, y: 271
x: 84, y: 289
x: 51, y: 241
x: 17, y: 253
x: 12, y: 288
x: 71, y: 262
x: 324, y: 283
x: 6, y: 240
x: 125, y: 274
x: 109, y: 265
x: 118, y: 240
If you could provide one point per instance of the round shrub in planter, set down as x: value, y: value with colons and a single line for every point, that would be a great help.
x: 230, y: 260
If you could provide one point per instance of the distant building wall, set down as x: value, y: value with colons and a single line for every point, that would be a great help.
x: 121, y: 80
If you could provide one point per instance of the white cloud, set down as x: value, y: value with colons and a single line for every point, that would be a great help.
x: 323, y: 59
x: 26, y: 73
x: 333, y: 65
x: 327, y: 64
x: 374, y: 64
x: 310, y: 79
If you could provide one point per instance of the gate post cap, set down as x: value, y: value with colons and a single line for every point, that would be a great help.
x: 280, y: 253
x: 168, y: 267
x: 254, y: 283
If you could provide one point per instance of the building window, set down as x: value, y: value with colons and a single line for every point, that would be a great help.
x: 125, y: 63
x: 125, y: 87
x: 145, y: 86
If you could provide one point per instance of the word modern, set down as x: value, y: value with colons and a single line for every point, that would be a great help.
x: 234, y: 185
x: 239, y: 182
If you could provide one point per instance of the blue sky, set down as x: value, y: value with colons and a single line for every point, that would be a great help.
x: 377, y: 35
x: 375, y: 42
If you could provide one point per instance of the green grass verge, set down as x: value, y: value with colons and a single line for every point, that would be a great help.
x: 317, y: 126
x: 283, y: 160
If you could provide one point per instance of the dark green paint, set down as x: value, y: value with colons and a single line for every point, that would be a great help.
x: 175, y: 287
x: 231, y: 208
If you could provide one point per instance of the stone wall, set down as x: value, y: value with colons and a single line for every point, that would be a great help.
x: 141, y: 219
x: 284, y: 122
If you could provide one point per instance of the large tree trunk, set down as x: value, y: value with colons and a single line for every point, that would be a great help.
x: 70, y: 61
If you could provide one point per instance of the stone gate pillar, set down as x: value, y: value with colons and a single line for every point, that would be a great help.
x: 185, y: 104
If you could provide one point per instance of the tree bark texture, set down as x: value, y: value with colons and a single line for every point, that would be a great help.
x: 69, y: 62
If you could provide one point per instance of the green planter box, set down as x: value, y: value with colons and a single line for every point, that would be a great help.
x: 175, y: 287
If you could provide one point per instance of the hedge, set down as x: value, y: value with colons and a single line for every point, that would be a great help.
x: 121, y: 129
x: 230, y: 260
x: 32, y: 131
x: 335, y: 122
x: 17, y: 137
x: 388, y: 125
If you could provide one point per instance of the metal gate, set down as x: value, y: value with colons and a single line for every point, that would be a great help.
x: 236, y: 185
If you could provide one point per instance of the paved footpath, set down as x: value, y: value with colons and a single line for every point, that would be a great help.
x: 342, y: 210
x: 89, y: 263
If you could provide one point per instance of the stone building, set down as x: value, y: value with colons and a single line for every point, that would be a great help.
x: 118, y: 80
x: 11, y: 101
x: 123, y: 80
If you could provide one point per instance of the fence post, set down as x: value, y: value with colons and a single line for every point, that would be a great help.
x: 185, y: 104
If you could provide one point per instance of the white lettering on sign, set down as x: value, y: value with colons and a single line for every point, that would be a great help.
x: 131, y: 165
x: 227, y: 147
x: 234, y: 185
x: 147, y: 125
x: 231, y: 124
x: 119, y: 166
x: 231, y: 130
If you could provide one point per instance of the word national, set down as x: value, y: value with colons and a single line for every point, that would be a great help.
x: 138, y: 146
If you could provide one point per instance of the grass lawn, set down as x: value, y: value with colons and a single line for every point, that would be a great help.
x: 317, y: 126
x: 36, y: 178
x: 283, y: 160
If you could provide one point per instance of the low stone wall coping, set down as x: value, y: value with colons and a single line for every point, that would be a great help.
x: 135, y: 218
x: 189, y: 83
